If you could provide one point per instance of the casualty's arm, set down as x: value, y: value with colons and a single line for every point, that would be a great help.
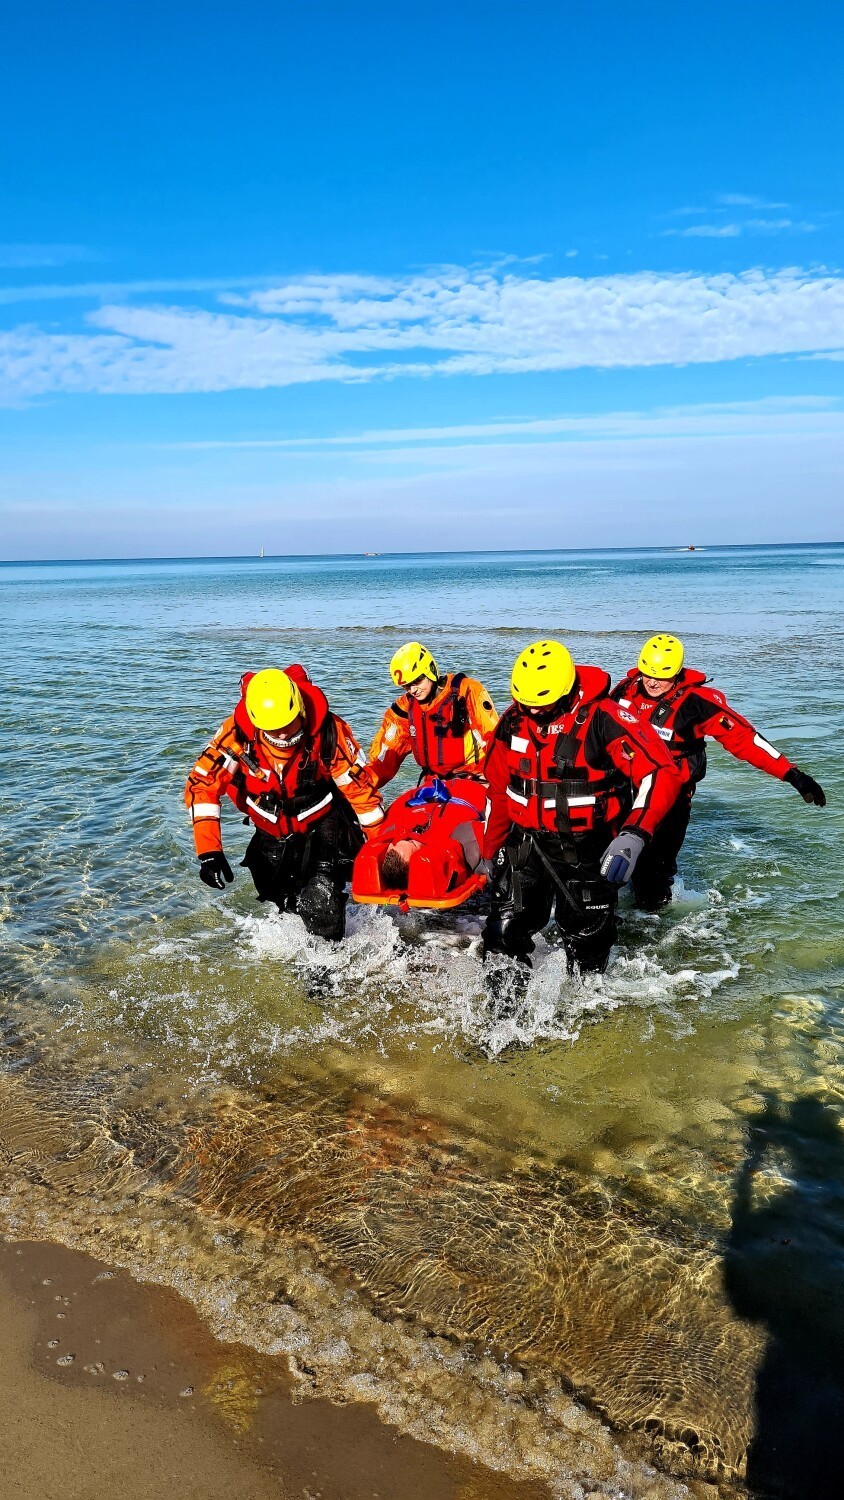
x: 390, y: 746
x: 354, y: 778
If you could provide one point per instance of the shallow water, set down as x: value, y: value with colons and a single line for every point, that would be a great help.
x: 629, y: 1192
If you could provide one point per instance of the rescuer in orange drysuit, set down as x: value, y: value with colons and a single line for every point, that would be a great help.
x: 674, y: 700
x: 445, y: 721
x: 577, y: 787
x: 297, y: 772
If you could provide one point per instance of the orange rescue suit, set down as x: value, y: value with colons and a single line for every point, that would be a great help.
x: 448, y: 735
x: 575, y: 775
x: 282, y: 790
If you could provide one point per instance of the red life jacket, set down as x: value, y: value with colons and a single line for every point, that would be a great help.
x: 662, y: 713
x: 304, y: 792
x: 551, y: 787
x: 438, y: 735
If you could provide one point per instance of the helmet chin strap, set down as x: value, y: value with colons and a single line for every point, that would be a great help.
x: 281, y: 744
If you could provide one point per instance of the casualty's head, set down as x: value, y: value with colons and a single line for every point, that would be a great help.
x: 660, y: 664
x: 413, y: 668
x: 395, y: 866
x: 274, y: 704
x: 544, y: 675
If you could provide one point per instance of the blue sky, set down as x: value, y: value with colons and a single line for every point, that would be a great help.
x: 386, y: 276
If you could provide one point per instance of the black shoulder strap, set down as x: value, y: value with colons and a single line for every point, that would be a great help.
x: 401, y: 713
x: 328, y: 741
x: 459, y: 711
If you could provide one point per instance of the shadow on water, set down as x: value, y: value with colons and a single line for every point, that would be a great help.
x: 782, y: 1271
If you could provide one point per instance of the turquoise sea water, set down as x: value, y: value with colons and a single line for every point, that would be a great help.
x: 629, y: 1193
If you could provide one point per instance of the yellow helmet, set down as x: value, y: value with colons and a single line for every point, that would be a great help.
x: 661, y: 656
x: 542, y: 673
x: 273, y: 700
x: 412, y: 662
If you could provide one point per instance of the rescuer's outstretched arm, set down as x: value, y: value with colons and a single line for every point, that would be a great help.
x: 354, y: 778
x: 390, y: 746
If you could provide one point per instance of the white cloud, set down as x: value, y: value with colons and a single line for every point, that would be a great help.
x: 706, y: 232
x: 448, y: 322
x: 807, y: 415
x: 748, y: 200
x: 747, y: 226
x: 27, y: 257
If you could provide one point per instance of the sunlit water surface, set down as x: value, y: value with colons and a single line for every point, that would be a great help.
x: 628, y: 1193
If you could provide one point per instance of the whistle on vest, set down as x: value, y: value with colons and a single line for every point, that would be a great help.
x: 268, y: 803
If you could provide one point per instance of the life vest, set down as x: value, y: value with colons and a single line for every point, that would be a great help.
x: 438, y: 735
x: 662, y: 713
x: 551, y: 788
x: 290, y: 802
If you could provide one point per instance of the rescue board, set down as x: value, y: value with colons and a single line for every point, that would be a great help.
x: 438, y: 875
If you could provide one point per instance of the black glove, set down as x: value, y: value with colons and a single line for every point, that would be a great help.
x: 806, y: 786
x: 215, y: 870
x: 620, y: 857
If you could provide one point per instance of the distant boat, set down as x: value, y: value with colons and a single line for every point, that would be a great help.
x: 372, y: 554
x: 261, y: 553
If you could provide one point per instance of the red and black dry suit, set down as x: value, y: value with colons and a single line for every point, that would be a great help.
x: 309, y: 796
x: 684, y: 718
x: 560, y: 788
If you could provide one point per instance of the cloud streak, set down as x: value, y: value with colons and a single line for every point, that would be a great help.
x: 447, y: 322
x: 27, y: 257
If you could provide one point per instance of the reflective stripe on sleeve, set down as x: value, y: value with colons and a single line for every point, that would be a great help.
x: 644, y: 790
x: 515, y: 797
x: 205, y: 810
x: 767, y: 747
x: 343, y: 779
x: 199, y: 770
x: 367, y: 819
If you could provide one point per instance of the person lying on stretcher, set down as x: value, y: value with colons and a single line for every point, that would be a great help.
x: 427, y: 851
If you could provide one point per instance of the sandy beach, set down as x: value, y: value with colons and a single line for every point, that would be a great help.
x: 112, y: 1387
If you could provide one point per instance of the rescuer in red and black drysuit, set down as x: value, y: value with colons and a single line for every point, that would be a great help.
x: 675, y: 701
x: 576, y: 789
x: 298, y: 774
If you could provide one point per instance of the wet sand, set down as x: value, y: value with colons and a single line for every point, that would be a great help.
x: 109, y: 1386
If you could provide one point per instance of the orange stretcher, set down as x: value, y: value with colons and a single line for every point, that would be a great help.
x: 438, y: 875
